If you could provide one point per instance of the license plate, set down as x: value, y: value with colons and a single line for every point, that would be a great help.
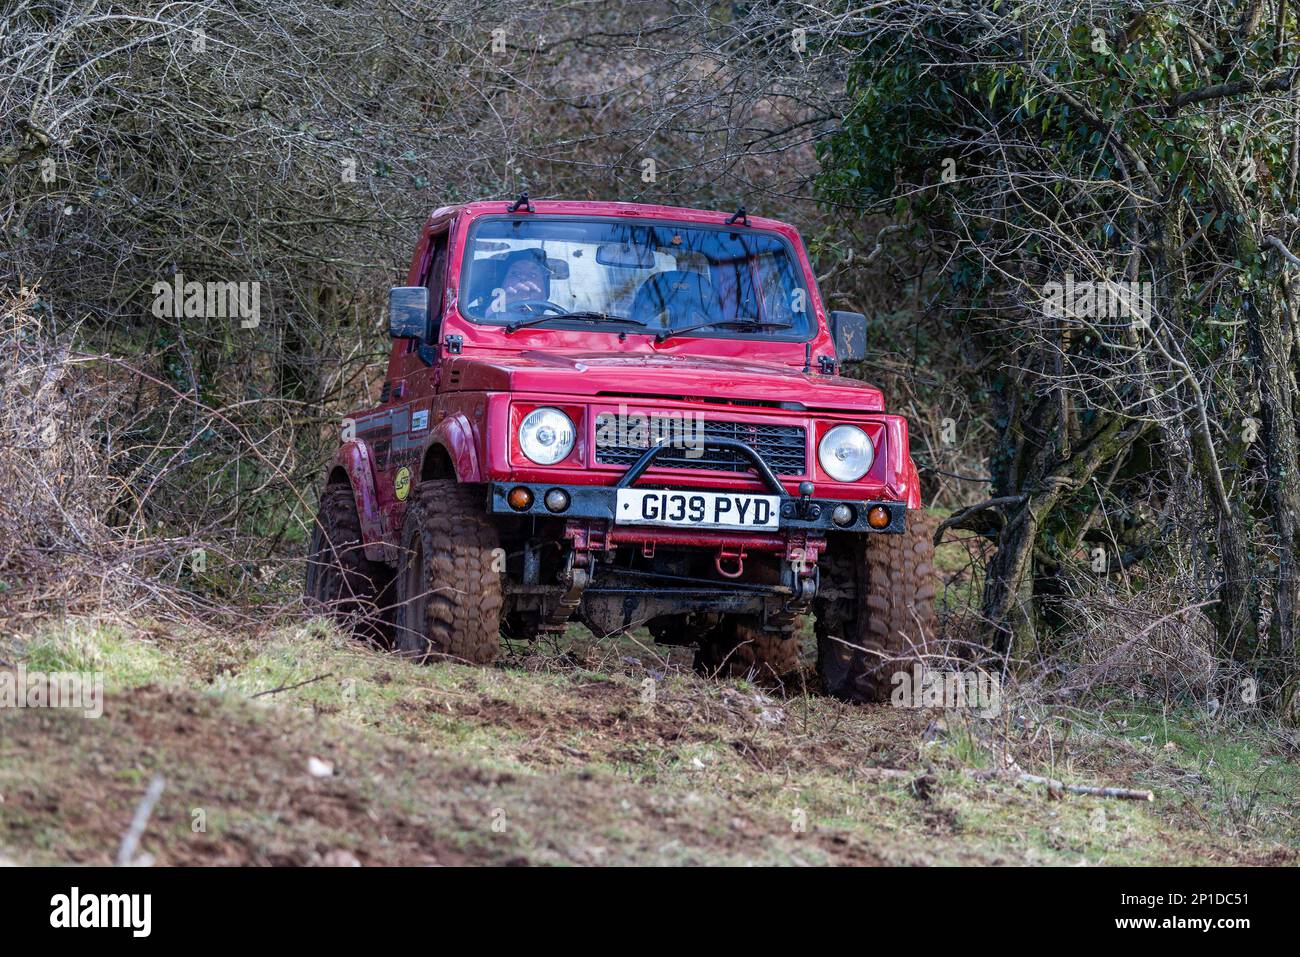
x: 634, y: 506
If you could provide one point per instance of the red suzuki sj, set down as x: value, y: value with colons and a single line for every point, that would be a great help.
x: 627, y: 415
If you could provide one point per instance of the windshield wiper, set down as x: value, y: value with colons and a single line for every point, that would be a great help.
x: 581, y: 316
x: 745, y: 324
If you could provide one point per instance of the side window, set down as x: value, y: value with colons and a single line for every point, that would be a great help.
x: 437, y: 282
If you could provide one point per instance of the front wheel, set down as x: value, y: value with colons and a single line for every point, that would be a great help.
x: 449, y: 591
x: 883, y: 614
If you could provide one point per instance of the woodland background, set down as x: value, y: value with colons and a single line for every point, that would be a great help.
x: 944, y: 161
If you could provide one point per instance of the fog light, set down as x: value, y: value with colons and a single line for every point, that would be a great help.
x: 843, y: 515
x: 557, y: 500
x: 878, y: 517
x: 520, y: 498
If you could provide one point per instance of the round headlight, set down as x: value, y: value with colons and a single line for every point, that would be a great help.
x: 845, y: 453
x: 546, y: 436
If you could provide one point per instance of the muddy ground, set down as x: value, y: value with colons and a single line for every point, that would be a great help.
x: 294, y: 745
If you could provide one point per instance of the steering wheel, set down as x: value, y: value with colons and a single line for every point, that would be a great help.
x: 538, y: 305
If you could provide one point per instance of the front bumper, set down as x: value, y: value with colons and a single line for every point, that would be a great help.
x: 597, y: 502
x: 797, y: 514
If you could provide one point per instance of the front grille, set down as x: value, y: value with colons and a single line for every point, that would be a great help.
x: 782, y: 447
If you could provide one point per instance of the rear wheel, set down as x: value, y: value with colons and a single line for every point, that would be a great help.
x: 449, y: 592
x: 737, y: 647
x: 340, y: 579
x: 883, y: 613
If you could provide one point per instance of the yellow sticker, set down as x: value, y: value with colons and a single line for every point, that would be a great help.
x: 402, y: 484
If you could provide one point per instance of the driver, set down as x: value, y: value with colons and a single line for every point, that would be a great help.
x: 526, y: 277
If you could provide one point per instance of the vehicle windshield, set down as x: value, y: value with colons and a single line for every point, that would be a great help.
x: 735, y: 283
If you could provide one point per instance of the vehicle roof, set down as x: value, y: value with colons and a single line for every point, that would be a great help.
x: 578, y: 207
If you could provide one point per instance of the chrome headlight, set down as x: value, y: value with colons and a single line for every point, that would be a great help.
x: 546, y: 436
x: 845, y: 453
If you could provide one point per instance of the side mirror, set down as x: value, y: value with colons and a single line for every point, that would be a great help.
x: 849, y: 330
x: 408, y: 312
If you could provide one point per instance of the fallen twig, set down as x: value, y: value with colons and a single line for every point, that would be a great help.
x: 1055, y: 785
x: 131, y: 839
x: 291, y: 687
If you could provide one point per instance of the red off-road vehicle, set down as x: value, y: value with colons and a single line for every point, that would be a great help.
x: 627, y: 415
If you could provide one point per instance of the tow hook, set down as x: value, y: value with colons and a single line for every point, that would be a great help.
x: 737, y: 556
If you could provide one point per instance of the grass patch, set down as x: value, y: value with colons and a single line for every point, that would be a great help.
x: 587, y: 751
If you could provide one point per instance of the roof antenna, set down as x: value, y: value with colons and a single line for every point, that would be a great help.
x: 523, y: 201
x: 741, y: 215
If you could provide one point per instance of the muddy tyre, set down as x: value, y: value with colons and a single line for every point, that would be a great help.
x: 884, y: 615
x: 738, y: 648
x: 340, y: 579
x: 449, y: 589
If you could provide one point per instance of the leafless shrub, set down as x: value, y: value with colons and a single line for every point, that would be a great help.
x: 83, y: 486
x: 1147, y: 643
x: 54, y: 539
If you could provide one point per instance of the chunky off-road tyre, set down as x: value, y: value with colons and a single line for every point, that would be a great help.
x: 884, y: 616
x: 449, y: 589
x: 738, y: 648
x: 340, y: 579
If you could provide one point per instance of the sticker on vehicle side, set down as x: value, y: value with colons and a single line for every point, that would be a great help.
x: 419, y: 420
x: 402, y: 483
